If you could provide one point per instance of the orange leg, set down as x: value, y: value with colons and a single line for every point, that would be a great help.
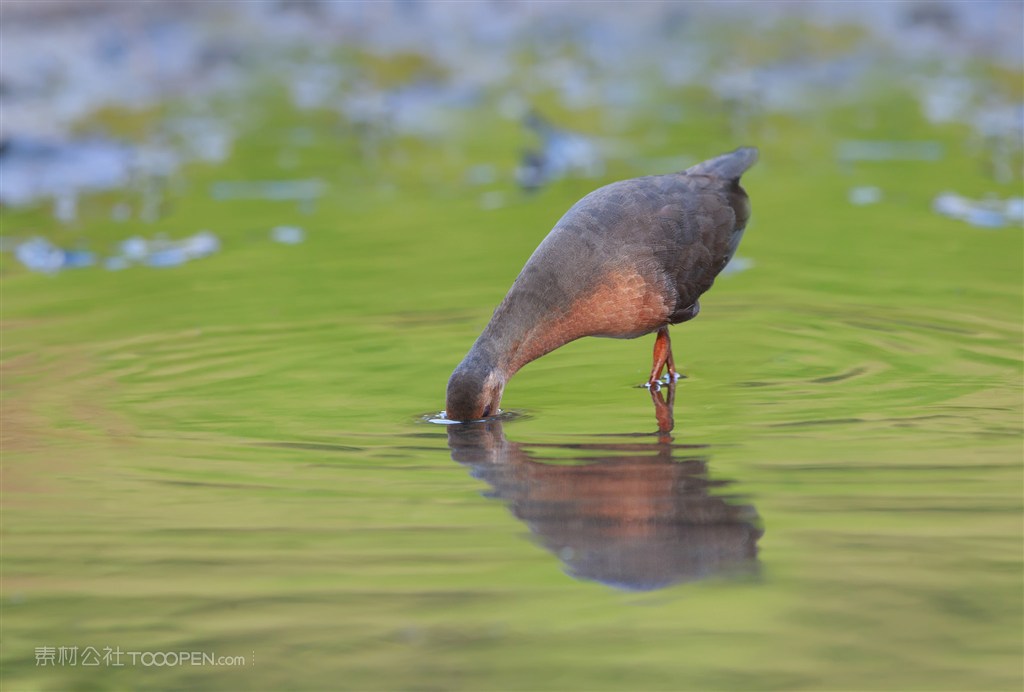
x: 670, y: 363
x: 662, y: 357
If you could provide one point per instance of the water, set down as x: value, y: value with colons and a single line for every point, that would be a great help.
x: 637, y: 515
x: 231, y: 457
x: 223, y: 468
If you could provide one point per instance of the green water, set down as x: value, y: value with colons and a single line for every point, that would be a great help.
x: 230, y: 456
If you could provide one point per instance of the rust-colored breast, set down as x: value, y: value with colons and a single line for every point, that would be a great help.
x: 622, y: 304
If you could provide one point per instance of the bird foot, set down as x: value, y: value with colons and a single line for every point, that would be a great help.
x: 667, y: 378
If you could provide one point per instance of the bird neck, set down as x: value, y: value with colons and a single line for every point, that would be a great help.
x: 515, y: 337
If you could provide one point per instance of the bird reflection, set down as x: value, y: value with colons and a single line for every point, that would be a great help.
x: 637, y: 516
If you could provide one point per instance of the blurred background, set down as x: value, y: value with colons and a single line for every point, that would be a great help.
x: 243, y: 244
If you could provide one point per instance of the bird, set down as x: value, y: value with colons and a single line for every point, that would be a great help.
x: 629, y: 259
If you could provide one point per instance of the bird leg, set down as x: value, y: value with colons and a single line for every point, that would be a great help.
x: 662, y: 358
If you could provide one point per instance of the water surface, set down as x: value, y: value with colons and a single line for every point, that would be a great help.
x: 229, y: 456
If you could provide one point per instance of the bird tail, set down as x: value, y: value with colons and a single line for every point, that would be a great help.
x: 729, y: 166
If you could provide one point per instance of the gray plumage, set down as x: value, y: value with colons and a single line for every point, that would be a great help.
x: 628, y: 259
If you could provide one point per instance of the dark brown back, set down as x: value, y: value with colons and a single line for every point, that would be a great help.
x: 678, y: 231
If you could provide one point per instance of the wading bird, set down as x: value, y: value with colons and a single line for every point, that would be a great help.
x: 628, y: 259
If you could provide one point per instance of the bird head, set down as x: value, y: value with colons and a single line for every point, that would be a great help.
x: 474, y: 391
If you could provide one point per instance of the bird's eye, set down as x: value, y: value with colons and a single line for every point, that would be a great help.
x: 487, y: 411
